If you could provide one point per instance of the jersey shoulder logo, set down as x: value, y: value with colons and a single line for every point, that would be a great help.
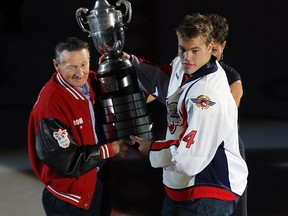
x: 62, y: 138
x: 203, y: 102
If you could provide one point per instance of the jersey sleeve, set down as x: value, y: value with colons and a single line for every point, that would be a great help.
x: 152, y: 78
x: 160, y: 153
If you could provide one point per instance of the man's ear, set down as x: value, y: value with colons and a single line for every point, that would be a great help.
x: 56, y: 65
x: 210, y: 46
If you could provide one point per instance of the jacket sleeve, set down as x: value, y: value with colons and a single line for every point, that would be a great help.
x: 152, y: 78
x: 56, y: 147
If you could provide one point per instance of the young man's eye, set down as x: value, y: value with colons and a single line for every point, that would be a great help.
x: 182, y: 50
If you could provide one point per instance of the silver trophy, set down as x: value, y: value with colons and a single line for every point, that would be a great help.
x: 124, y: 104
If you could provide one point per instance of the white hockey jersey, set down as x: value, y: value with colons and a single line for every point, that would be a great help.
x: 200, y: 156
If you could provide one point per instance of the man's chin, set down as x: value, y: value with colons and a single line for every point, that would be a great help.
x: 78, y: 84
x: 189, y: 72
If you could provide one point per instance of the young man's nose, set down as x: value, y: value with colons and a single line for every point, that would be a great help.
x: 188, y: 54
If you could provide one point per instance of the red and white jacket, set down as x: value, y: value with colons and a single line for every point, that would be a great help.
x: 61, y: 141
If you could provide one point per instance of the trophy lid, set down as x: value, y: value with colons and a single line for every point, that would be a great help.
x: 102, y: 5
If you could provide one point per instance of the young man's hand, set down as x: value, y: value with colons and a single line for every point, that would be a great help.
x: 144, y: 144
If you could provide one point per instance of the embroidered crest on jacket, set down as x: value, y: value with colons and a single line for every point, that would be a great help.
x: 62, y: 138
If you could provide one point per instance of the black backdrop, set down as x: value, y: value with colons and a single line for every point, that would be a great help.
x: 257, y: 45
x: 29, y: 30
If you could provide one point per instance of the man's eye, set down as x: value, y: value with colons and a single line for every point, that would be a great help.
x: 70, y: 67
x: 182, y: 50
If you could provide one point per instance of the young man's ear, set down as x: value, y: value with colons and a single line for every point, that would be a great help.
x: 210, y: 46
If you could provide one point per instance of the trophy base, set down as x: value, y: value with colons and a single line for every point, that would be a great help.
x: 124, y: 104
x: 125, y: 116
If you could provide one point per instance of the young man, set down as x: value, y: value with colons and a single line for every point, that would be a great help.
x: 65, y: 147
x: 203, y: 171
x: 220, y: 32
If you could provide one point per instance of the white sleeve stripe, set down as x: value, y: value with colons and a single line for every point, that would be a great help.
x: 107, y: 150
x: 104, y: 151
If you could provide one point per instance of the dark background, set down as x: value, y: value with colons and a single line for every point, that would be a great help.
x: 257, y: 46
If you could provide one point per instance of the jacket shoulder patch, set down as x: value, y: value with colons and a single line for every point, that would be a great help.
x: 62, y: 138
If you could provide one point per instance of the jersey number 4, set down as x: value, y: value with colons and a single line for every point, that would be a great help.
x: 189, y: 138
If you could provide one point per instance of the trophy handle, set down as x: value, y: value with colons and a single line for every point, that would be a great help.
x: 128, y: 8
x: 80, y: 20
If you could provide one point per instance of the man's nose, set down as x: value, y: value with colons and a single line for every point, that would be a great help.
x: 188, y: 54
x: 79, y: 71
